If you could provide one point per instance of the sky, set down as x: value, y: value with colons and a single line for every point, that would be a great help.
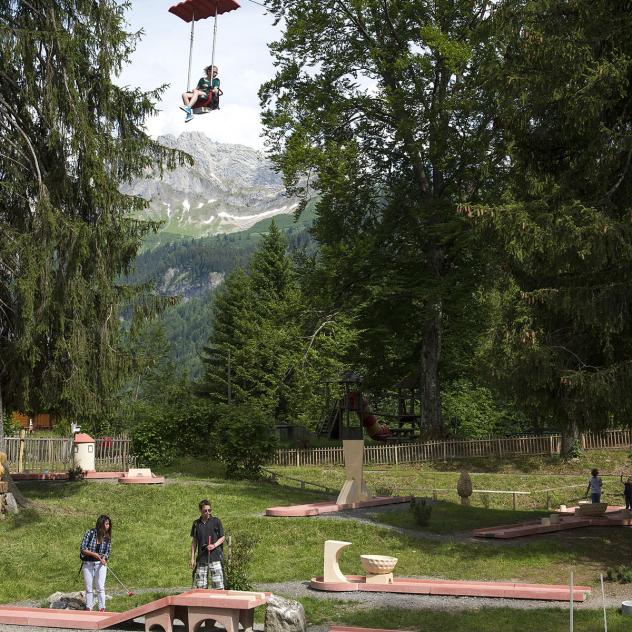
x: 162, y: 56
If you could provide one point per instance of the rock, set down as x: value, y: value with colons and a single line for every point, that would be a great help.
x: 67, y: 601
x: 284, y: 615
x: 12, y: 505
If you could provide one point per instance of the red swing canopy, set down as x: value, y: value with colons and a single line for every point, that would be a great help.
x: 202, y: 9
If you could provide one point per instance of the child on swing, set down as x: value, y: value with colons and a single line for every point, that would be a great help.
x: 205, y: 86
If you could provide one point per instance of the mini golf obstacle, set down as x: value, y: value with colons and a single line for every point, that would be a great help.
x: 348, y: 422
x: 230, y: 608
x: 315, y: 509
x: 380, y: 578
x: 141, y: 476
x: 586, y: 515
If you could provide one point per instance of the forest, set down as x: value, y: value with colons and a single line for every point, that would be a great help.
x: 467, y: 164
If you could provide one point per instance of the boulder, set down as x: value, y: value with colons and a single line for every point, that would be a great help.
x: 67, y: 601
x: 284, y: 615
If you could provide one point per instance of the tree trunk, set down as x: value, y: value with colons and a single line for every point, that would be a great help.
x: 431, y: 419
x: 570, y: 438
x: 2, y: 441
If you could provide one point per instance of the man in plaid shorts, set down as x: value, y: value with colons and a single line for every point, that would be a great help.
x: 207, y: 539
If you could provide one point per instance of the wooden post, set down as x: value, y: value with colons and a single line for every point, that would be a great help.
x: 514, y: 501
x: 21, y: 451
x: 500, y: 449
x: 548, y: 500
x: 396, y: 455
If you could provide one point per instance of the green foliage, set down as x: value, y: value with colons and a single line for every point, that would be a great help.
x: 383, y: 110
x: 238, y: 560
x: 243, y: 440
x: 66, y: 230
x: 575, y: 450
x: 472, y: 411
x: 421, y: 510
x: 75, y: 473
x: 563, y: 341
x: 621, y: 574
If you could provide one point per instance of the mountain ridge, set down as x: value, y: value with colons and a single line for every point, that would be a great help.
x: 229, y: 188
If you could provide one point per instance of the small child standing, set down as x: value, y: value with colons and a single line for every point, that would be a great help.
x: 594, y: 486
x: 627, y: 491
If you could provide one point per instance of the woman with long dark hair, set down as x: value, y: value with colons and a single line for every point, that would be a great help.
x: 95, y: 553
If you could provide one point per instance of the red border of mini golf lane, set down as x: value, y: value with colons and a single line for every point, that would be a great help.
x: 314, y: 509
x: 567, y: 520
x: 90, y: 476
x: 456, y: 588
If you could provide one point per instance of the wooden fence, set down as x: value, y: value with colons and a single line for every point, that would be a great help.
x: 401, y: 453
x: 54, y: 454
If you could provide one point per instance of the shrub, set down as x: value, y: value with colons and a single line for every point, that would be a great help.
x: 237, y: 561
x: 75, y: 473
x: 621, y: 574
x: 384, y: 490
x: 244, y: 440
x: 421, y: 510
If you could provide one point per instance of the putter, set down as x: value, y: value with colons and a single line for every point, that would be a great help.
x: 129, y: 592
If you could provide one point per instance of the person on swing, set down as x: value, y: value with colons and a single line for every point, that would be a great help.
x: 205, y: 86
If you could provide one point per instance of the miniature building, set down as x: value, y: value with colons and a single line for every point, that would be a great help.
x: 83, y: 452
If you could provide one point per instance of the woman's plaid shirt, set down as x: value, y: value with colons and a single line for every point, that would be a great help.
x: 89, y: 543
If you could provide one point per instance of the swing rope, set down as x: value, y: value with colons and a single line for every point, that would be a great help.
x: 191, y: 53
x: 214, y: 40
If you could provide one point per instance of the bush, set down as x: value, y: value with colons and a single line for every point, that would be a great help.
x: 237, y: 561
x: 621, y: 574
x: 473, y: 411
x: 421, y: 510
x: 244, y: 440
x: 75, y: 473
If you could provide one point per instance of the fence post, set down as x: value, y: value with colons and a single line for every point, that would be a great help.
x: 21, y: 451
x: 548, y: 500
x: 445, y: 452
x: 298, y: 459
x: 396, y: 455
x: 500, y: 449
x: 514, y: 501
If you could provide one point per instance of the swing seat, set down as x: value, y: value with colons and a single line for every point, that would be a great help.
x: 208, y: 105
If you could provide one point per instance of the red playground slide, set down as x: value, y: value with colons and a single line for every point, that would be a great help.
x: 375, y: 430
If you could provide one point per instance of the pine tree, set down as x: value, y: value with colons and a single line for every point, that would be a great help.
x: 69, y: 136
x: 381, y: 107
x: 564, y: 343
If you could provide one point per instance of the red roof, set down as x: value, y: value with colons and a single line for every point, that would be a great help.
x: 202, y: 9
x: 81, y: 437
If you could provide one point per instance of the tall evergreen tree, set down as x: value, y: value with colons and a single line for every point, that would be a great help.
x: 69, y: 137
x: 564, y: 227
x: 381, y: 107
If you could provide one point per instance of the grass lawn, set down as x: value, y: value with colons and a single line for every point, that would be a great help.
x: 532, y: 474
x: 39, y: 547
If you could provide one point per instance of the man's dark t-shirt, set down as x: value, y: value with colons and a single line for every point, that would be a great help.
x: 201, y: 532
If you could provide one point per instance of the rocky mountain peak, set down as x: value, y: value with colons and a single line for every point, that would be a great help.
x: 227, y: 189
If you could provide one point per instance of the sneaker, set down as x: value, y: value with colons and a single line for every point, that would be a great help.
x: 184, y: 108
x: 189, y: 117
x: 101, y: 609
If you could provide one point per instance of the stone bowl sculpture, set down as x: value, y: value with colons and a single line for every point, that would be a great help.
x: 378, y: 564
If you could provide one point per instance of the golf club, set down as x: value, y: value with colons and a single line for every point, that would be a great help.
x: 129, y: 592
